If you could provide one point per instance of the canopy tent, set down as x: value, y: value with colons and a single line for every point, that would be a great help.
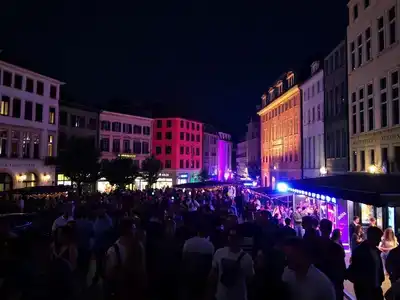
x: 203, y: 185
x: 42, y: 190
x: 373, y: 189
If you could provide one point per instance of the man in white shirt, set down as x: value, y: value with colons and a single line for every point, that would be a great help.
x: 61, y: 221
x: 232, y: 268
x: 304, y: 280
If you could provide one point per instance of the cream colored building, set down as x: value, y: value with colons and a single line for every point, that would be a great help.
x: 373, y: 84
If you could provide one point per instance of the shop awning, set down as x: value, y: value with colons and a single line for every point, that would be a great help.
x: 373, y: 189
x: 42, y: 190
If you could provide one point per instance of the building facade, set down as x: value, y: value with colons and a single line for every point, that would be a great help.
x: 373, y: 85
x: 281, y: 132
x: 210, y: 149
x: 178, y: 143
x: 336, y: 124
x: 241, y: 159
x: 224, y: 168
x: 28, y: 127
x: 127, y: 136
x: 253, y: 144
x: 313, y: 123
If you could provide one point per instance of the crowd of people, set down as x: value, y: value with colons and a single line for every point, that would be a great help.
x: 189, y: 244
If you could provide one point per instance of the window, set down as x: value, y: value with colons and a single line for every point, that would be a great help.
x: 372, y: 156
x: 159, y: 123
x: 383, y: 98
x: 159, y: 135
x: 361, y: 111
x: 7, y: 78
x: 313, y: 114
x: 5, y: 106
x: 158, y: 150
x: 354, y: 120
x: 105, y: 125
x: 169, y: 123
x: 167, y: 164
x: 353, y: 55
x: 52, y: 115
x: 80, y: 122
x: 3, y: 142
x: 187, y: 125
x: 18, y: 81
x: 145, y: 147
x: 355, y: 12
x: 182, y: 124
x: 344, y: 143
x: 38, y: 112
x: 137, y: 129
x: 370, y: 99
x: 39, y: 88
x: 92, y: 124
x: 359, y: 50
x: 181, y: 164
x: 127, y: 128
x: 197, y: 164
x: 182, y: 136
x: 105, y: 145
x: 137, y: 147
x: 127, y: 146
x: 198, y: 138
x: 366, y: 3
x: 187, y: 150
x: 29, y: 85
x: 36, y: 146
x: 354, y: 161
x: 26, y: 145
x: 198, y: 127
x: 28, y: 110
x: 384, y: 156
x: 168, y: 149
x: 392, y: 25
x: 182, y: 150
x: 116, y: 126
x: 146, y: 130
x: 50, y: 144
x: 197, y: 151
x: 116, y: 147
x: 395, y: 97
x: 362, y: 160
x: 168, y: 135
x: 15, y: 138
x: 53, y: 91
x: 381, y: 34
x: 368, y: 49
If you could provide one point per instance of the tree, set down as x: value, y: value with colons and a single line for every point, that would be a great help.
x: 80, y: 161
x: 151, y: 167
x: 254, y: 170
x: 203, y: 175
x: 120, y: 171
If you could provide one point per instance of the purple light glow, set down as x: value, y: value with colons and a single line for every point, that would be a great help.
x: 222, y: 159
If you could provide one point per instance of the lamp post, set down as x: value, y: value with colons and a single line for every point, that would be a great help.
x: 323, y: 171
x: 373, y: 169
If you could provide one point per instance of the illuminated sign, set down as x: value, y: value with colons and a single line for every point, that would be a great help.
x: 164, y: 175
x: 126, y: 155
x: 185, y: 175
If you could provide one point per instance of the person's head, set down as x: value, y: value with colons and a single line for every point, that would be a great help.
x: 126, y: 227
x: 358, y: 229
x: 234, y: 237
x: 298, y: 208
x: 388, y: 234
x: 326, y: 227
x: 287, y: 221
x: 296, y: 254
x: 372, y: 221
x: 356, y: 219
x: 374, y: 235
x: 336, y: 235
x: 307, y: 222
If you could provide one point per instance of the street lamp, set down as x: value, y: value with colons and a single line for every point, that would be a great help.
x: 372, y: 169
x: 323, y: 171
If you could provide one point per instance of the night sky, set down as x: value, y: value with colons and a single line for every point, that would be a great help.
x: 210, y: 61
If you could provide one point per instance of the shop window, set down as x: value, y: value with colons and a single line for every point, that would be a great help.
x: 5, y: 182
x: 30, y: 180
x: 63, y: 180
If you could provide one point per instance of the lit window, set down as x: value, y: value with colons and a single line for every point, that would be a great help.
x: 52, y: 115
x: 5, y: 106
x: 50, y: 143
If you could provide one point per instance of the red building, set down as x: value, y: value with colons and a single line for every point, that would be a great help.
x: 178, y: 144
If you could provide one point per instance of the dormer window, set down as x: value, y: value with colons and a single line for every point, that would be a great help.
x: 314, y: 67
x: 279, y: 87
x: 264, y: 99
x: 271, y: 94
x: 290, y: 79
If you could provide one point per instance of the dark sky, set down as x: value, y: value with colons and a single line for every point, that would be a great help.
x: 213, y: 61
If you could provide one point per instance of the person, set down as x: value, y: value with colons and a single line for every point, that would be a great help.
x: 297, y: 219
x: 330, y: 258
x: 337, y: 237
x: 287, y: 230
x: 61, y: 220
x: 372, y: 222
x: 366, y: 268
x: 304, y: 280
x: 357, y: 237
x: 353, y: 224
x: 232, y: 268
x: 388, y: 242
x: 392, y: 264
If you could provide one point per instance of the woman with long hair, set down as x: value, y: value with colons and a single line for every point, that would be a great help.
x: 388, y: 242
x: 337, y: 236
x: 357, y: 237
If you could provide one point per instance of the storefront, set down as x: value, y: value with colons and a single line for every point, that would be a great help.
x: 183, y: 178
x: 164, y: 180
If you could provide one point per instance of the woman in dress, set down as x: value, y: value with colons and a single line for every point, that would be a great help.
x: 388, y: 242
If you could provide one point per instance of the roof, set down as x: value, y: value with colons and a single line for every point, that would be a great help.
x: 373, y: 189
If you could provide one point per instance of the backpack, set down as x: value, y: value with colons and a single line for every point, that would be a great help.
x: 230, y: 270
